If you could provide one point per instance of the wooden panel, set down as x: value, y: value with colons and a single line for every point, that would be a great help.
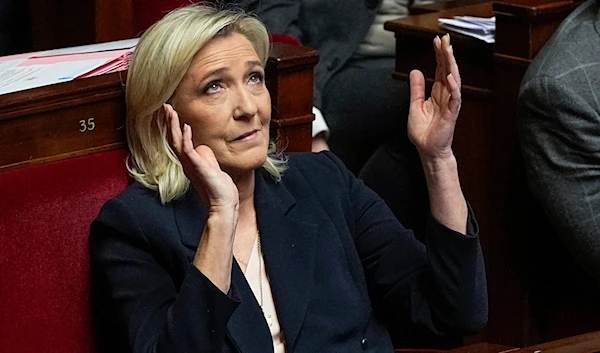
x: 113, y: 20
x: 87, y: 116
x: 290, y: 82
x: 44, y: 124
x: 61, y: 23
x: 485, y: 140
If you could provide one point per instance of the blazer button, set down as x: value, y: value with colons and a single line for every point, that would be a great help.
x: 371, y: 4
x: 333, y: 64
x: 364, y: 343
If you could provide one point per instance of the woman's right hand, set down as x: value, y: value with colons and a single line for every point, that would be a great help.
x: 218, y: 191
x: 215, y: 187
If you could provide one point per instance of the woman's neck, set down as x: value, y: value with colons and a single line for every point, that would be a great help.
x: 245, y: 185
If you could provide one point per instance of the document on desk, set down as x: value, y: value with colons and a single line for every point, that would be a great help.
x: 478, y: 27
x: 33, y: 70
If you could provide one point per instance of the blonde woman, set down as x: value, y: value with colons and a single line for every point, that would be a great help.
x: 223, y: 246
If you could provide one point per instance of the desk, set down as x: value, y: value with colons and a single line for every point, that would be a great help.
x: 586, y: 343
x: 87, y: 116
x: 485, y: 142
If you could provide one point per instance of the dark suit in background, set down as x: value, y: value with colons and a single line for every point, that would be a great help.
x: 339, y: 264
x: 559, y: 132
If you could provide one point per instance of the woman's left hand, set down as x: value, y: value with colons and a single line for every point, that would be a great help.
x: 431, y: 122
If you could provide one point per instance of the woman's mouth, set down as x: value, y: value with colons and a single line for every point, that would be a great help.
x: 246, y: 136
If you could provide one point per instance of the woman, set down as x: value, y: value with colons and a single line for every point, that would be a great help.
x: 222, y: 246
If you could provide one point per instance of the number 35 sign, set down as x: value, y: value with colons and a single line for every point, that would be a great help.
x: 87, y: 125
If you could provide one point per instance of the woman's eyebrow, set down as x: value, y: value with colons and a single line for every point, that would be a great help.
x: 213, y: 73
x: 249, y: 65
x: 253, y: 63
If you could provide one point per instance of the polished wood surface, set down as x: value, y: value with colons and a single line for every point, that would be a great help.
x: 586, y: 343
x: 66, y: 23
x: 289, y: 79
x: 486, y: 145
x: 87, y: 116
x: 419, y: 9
x: 484, y: 348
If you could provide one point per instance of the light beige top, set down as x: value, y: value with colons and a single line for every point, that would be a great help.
x: 378, y: 41
x: 268, y: 305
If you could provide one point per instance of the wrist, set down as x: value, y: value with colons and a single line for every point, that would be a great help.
x: 441, y: 164
x: 221, y: 226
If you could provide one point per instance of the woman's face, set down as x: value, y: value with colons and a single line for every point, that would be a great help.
x: 224, y: 99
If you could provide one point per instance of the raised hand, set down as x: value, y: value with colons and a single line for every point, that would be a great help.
x: 215, y: 187
x: 431, y: 122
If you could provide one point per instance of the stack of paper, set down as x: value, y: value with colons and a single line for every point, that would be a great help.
x: 25, y: 71
x: 478, y: 27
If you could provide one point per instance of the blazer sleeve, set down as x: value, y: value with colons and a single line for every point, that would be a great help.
x: 559, y: 136
x: 157, y: 314
x: 441, y: 286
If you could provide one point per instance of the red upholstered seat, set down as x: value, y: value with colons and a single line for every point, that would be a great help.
x: 45, y: 215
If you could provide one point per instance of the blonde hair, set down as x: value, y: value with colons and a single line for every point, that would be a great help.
x: 161, y: 59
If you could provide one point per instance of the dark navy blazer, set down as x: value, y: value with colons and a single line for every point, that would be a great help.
x: 338, y: 261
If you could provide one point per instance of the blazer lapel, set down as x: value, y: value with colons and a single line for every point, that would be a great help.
x: 287, y: 241
x: 288, y: 244
x: 247, y: 327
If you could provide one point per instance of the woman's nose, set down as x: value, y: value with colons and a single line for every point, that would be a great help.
x: 244, y: 104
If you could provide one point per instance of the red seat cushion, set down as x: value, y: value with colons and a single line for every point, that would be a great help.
x: 45, y: 215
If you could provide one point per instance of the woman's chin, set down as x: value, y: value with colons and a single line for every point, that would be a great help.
x: 245, y: 163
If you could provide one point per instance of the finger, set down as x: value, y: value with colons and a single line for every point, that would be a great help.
x: 437, y: 46
x: 450, y: 60
x: 197, y: 156
x: 187, y: 143
x: 174, y: 129
x: 455, y: 95
x: 417, y: 86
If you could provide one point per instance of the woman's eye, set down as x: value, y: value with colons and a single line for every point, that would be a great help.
x: 256, y: 78
x: 212, y: 87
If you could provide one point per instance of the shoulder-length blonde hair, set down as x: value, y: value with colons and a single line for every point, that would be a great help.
x: 161, y: 59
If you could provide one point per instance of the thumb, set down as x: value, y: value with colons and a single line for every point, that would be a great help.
x: 417, y: 86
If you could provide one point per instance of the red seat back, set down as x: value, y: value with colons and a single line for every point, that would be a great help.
x: 45, y: 215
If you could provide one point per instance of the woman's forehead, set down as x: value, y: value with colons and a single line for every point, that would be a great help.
x: 230, y: 49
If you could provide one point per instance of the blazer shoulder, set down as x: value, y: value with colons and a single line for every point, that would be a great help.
x: 135, y: 203
x: 317, y: 167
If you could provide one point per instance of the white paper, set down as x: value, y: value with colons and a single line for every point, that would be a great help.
x: 5, y: 65
x: 119, y: 44
x: 465, y: 25
x: 483, y: 22
x: 488, y: 38
x: 20, y: 78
